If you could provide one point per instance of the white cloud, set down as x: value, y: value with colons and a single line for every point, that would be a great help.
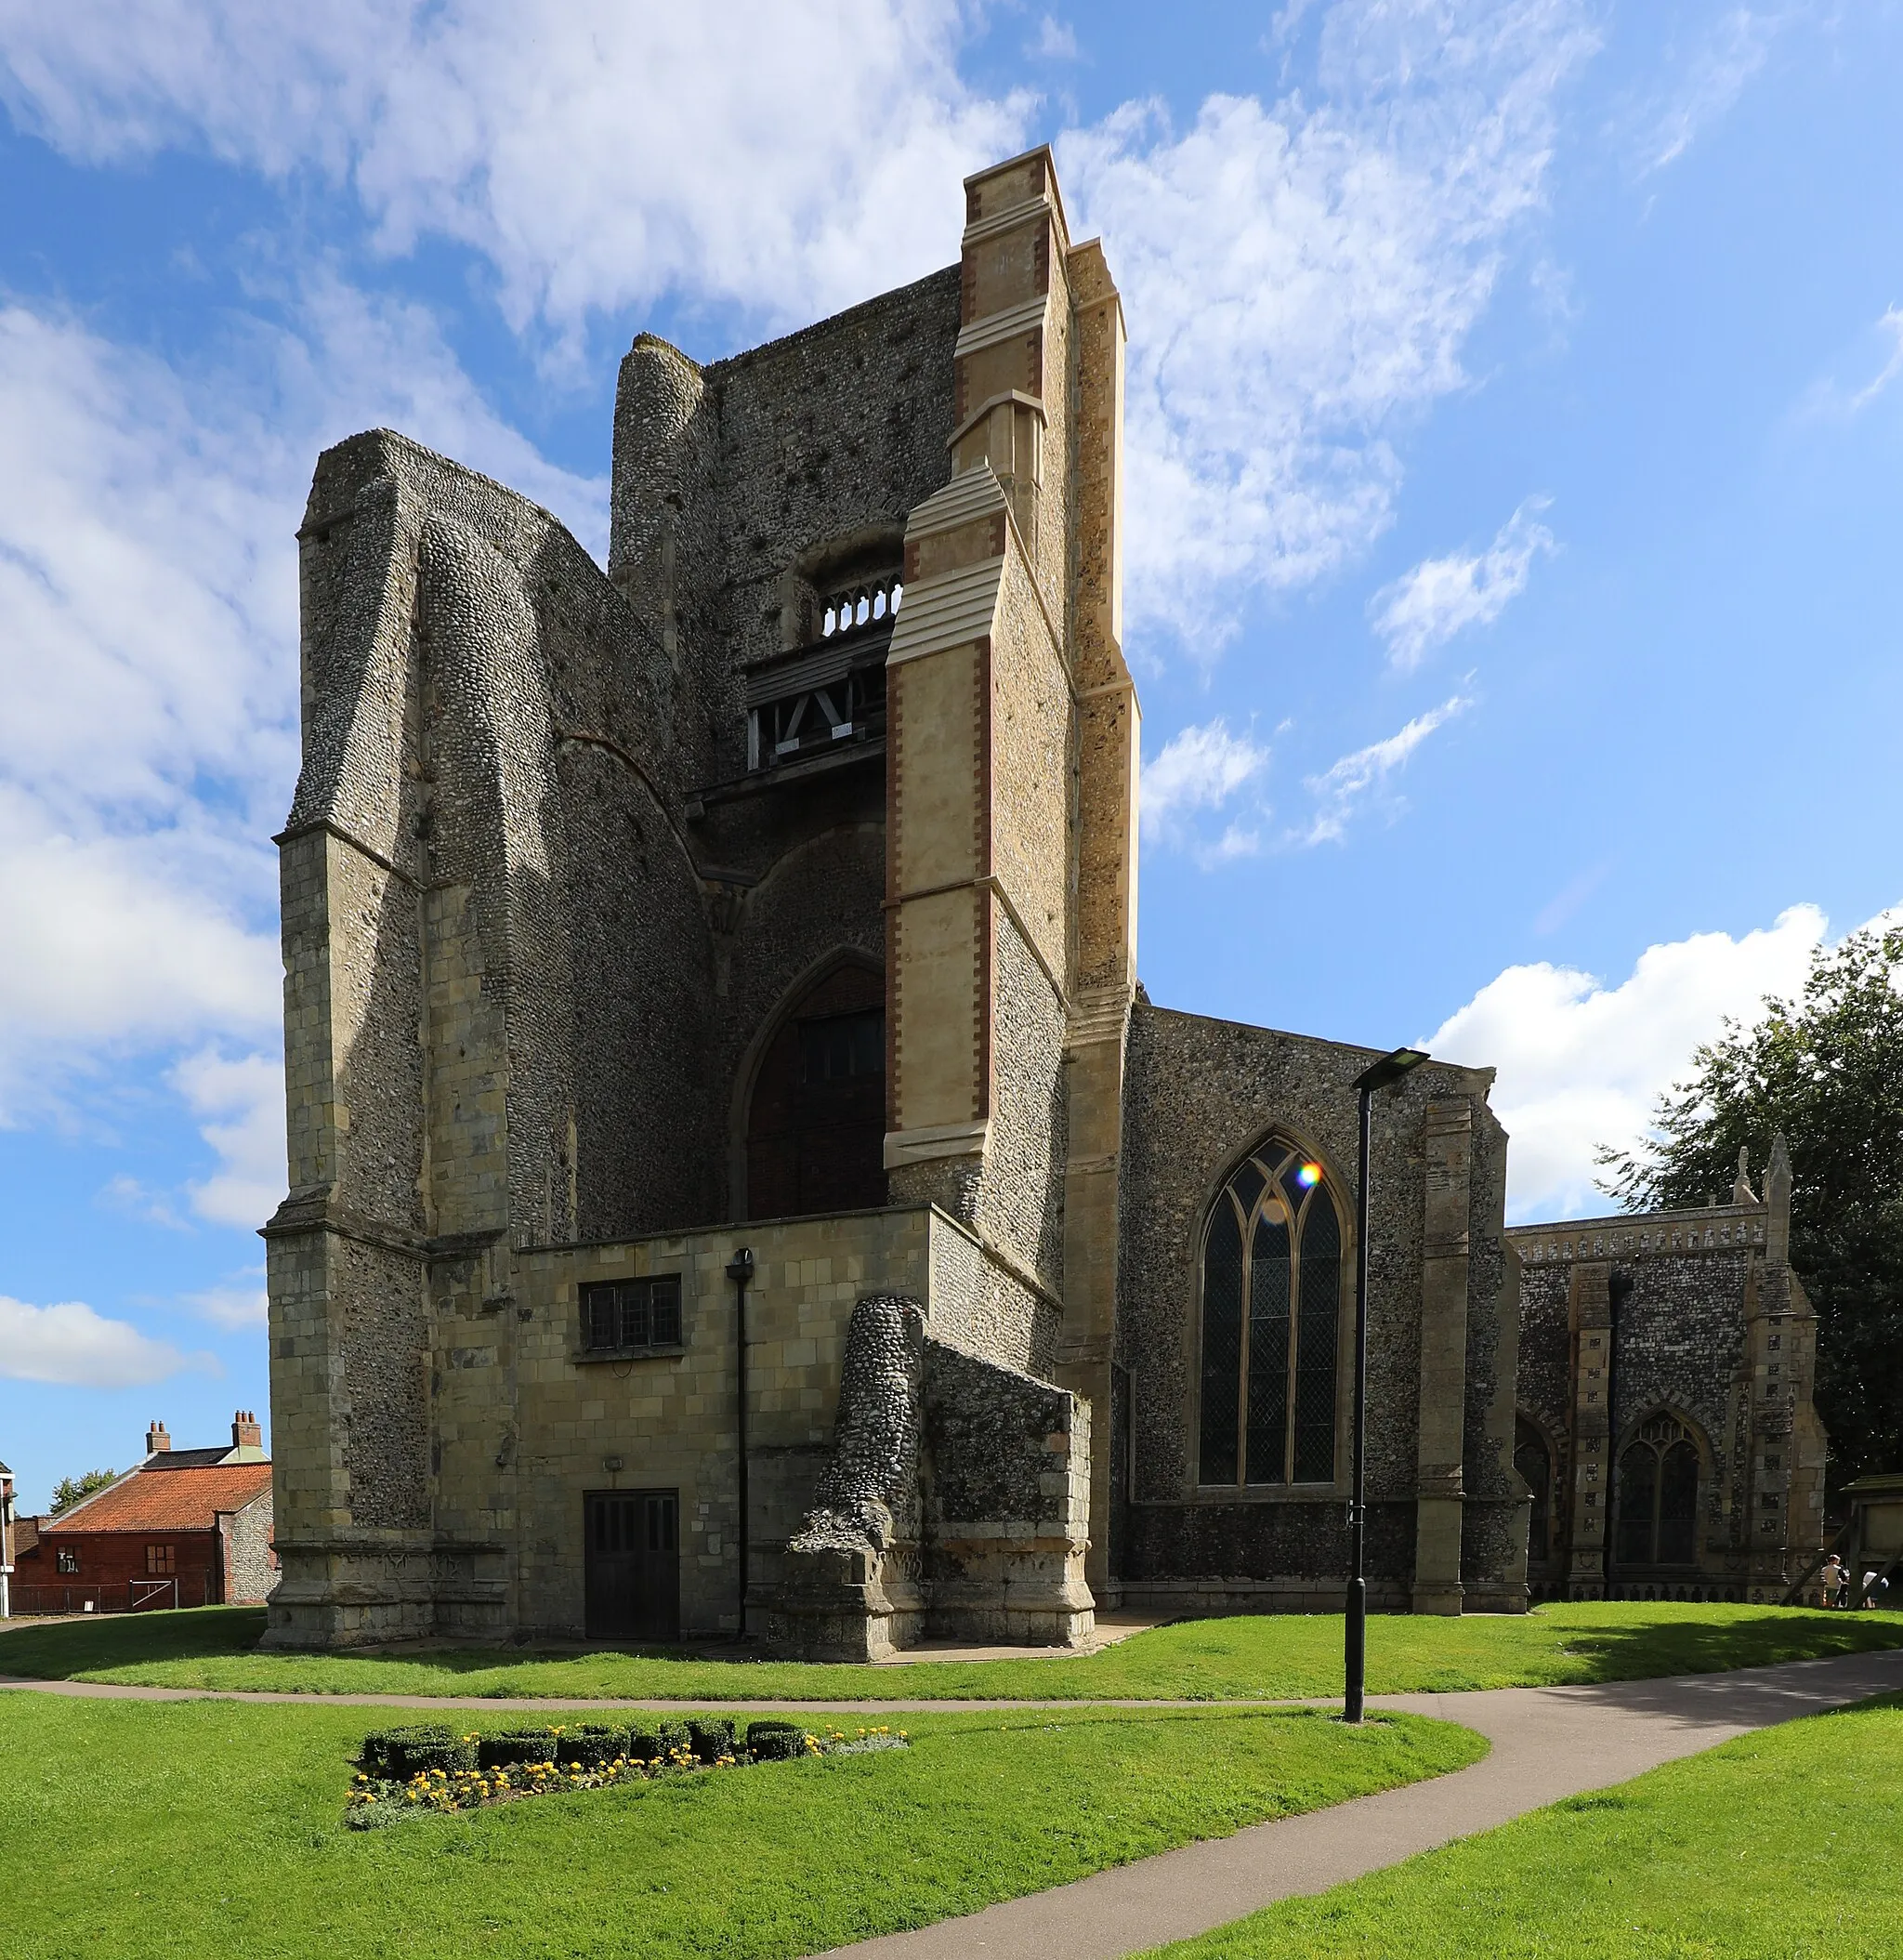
x: 1582, y: 1062
x: 148, y: 583
x: 138, y: 1201
x: 1424, y: 608
x: 1300, y: 281
x: 788, y: 159
x: 1892, y: 325
x: 238, y: 1306
x: 240, y: 1104
x: 1056, y: 41
x: 1716, y: 72
x: 1341, y: 789
x: 1200, y: 768
x: 1299, y: 278
x: 71, y: 1346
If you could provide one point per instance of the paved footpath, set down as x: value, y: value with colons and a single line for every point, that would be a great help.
x: 1547, y: 1743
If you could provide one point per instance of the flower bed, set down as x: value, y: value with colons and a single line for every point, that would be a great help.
x: 431, y: 1766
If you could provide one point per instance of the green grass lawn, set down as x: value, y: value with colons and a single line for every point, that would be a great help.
x: 213, y: 1828
x: 1779, y: 1846
x: 1261, y: 1657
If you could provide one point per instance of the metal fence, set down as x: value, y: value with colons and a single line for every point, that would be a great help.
x: 132, y: 1596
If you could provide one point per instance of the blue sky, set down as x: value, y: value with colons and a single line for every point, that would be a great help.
x: 1515, y: 413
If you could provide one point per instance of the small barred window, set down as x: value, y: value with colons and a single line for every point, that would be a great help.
x: 632, y: 1316
x: 161, y: 1560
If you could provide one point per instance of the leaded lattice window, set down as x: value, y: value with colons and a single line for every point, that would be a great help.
x: 1271, y: 1302
x: 1659, y: 1494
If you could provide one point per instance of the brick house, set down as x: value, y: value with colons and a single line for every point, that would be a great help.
x: 6, y: 1535
x: 185, y: 1528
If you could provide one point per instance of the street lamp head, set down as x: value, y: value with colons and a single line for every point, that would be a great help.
x: 1390, y: 1068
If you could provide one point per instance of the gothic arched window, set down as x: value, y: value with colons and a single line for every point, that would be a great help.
x: 1271, y: 1299
x: 1659, y: 1494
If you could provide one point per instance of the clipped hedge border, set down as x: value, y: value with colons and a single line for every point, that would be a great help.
x: 431, y: 1766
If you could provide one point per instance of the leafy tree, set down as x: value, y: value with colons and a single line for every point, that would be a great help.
x: 1827, y: 1072
x: 69, y: 1489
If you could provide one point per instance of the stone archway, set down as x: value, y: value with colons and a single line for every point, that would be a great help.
x: 816, y: 1119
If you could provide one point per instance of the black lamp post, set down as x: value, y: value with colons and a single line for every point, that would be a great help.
x: 1389, y: 1069
x: 740, y: 1270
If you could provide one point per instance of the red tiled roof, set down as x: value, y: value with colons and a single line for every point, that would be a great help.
x: 26, y: 1532
x: 180, y: 1501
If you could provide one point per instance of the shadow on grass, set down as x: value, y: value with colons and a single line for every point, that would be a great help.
x: 1618, y: 1649
x: 1252, y: 1657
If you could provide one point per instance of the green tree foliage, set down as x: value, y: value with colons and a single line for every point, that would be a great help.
x: 1827, y: 1072
x: 69, y: 1489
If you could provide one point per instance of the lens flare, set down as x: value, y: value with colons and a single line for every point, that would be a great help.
x: 1308, y: 1177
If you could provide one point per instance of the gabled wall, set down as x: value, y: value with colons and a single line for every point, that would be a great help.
x: 1443, y: 1513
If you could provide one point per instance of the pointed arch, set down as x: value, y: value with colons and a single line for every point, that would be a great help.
x: 1536, y: 1463
x: 1270, y: 1311
x: 808, y: 1111
x: 1664, y: 1468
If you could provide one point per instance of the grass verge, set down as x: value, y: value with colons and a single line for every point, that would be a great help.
x: 1782, y: 1845
x: 212, y: 1828
x: 1259, y: 1657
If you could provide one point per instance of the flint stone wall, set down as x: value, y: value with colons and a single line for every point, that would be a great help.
x: 955, y: 1501
x: 1198, y: 1095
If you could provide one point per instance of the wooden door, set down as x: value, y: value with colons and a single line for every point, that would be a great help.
x: 633, y: 1565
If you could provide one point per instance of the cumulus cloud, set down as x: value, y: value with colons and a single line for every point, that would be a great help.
x: 1581, y: 1062
x: 787, y: 159
x: 1199, y: 768
x: 1300, y: 276
x: 1301, y: 279
x: 71, y: 1346
x: 148, y: 579
x: 239, y: 1306
x: 1424, y: 608
x: 240, y: 1104
x: 1341, y: 789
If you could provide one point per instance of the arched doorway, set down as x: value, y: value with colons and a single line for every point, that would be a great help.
x: 816, y: 1123
x: 1533, y: 1460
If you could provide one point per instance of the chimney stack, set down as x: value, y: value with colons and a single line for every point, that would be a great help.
x: 247, y: 1438
x: 156, y: 1439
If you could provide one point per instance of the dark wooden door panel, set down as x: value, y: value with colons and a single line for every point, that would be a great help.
x: 632, y: 1565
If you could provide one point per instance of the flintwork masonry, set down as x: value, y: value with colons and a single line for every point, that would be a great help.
x: 736, y: 1182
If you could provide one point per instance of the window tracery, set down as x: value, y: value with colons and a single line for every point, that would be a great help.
x: 1270, y: 1309
x: 1659, y: 1494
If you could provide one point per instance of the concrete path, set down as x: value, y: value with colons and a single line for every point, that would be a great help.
x: 1548, y: 1742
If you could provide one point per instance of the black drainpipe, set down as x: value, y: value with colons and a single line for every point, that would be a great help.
x: 1619, y: 1286
x: 740, y: 1270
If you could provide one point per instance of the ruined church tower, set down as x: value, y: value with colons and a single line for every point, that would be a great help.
x: 774, y: 888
